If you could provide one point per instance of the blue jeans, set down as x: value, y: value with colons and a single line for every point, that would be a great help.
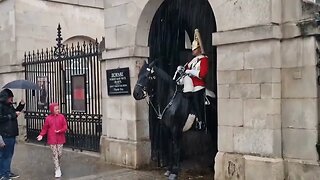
x: 6, y: 154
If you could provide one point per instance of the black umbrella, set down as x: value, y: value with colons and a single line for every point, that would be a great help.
x: 22, y: 84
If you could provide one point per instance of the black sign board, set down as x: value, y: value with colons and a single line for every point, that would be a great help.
x: 118, y: 81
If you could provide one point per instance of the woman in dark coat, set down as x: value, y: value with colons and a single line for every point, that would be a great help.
x: 8, y: 131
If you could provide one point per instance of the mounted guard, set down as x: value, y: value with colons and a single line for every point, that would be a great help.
x: 173, y: 112
x: 192, y: 76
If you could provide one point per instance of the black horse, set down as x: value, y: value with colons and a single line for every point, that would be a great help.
x: 173, y: 113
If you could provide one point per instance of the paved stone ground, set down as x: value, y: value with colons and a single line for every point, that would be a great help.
x: 33, y: 162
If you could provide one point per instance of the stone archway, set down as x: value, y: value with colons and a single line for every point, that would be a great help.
x: 75, y: 39
x: 126, y: 45
x: 145, y: 17
x: 170, y: 34
x: 255, y: 60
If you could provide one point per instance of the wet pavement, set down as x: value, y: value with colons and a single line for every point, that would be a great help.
x: 33, y: 162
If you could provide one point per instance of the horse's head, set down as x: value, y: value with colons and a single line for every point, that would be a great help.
x: 143, y: 85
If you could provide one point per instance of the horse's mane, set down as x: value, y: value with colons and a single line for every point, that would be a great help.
x: 164, y: 76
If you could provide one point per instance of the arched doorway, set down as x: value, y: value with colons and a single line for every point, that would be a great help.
x: 75, y: 39
x: 170, y: 37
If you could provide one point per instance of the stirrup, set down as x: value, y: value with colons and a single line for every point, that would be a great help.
x: 206, y: 101
x: 200, y: 126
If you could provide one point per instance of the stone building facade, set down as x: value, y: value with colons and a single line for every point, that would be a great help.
x: 27, y: 25
x: 266, y: 77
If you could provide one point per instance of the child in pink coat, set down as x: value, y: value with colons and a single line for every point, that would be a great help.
x: 55, y: 128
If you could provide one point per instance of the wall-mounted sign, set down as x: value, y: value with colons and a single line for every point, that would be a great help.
x: 118, y: 81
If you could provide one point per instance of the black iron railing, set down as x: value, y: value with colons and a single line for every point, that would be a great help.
x: 69, y: 76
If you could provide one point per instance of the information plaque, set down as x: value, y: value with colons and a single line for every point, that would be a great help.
x: 118, y: 81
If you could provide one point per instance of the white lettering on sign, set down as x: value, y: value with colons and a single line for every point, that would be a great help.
x: 116, y: 74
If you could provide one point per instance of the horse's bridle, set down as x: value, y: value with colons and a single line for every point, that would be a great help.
x: 144, y: 90
x: 149, y: 102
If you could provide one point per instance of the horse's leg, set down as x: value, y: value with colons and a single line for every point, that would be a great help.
x: 212, y: 122
x: 159, y: 143
x: 154, y: 137
x: 212, y: 125
x: 169, y: 155
x: 176, y: 151
x: 164, y: 145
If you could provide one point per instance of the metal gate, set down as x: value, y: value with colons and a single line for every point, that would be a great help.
x: 69, y: 76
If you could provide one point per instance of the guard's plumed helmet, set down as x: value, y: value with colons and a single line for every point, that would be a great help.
x: 197, y: 42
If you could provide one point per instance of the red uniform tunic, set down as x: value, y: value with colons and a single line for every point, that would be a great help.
x: 201, y: 66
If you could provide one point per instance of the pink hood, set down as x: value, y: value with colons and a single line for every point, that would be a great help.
x: 51, y: 107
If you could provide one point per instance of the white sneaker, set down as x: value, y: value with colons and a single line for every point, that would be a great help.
x: 58, y: 173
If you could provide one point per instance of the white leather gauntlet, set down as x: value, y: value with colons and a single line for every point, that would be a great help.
x: 193, y: 72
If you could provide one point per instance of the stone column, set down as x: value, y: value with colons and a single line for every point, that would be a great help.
x: 249, y: 104
x: 268, y: 94
x: 125, y: 139
x: 249, y: 90
x: 300, y: 102
x: 10, y: 64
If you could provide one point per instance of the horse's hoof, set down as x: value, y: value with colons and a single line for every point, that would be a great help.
x: 163, y: 164
x: 173, y: 177
x: 154, y: 158
x: 167, y: 173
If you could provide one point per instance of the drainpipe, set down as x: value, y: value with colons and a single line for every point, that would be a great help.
x: 317, y: 36
x: 318, y: 102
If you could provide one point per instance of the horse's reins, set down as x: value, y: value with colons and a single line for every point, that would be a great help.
x: 158, y: 112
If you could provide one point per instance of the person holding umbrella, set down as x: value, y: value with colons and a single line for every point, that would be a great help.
x: 8, y: 132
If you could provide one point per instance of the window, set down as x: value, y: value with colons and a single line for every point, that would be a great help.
x: 76, y: 67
